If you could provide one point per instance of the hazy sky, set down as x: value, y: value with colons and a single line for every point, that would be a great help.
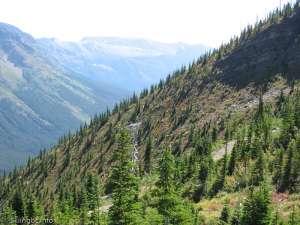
x: 210, y: 22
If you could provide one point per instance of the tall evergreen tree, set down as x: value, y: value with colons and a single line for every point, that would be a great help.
x: 258, y: 172
x: 287, y: 172
x: 18, y: 204
x: 174, y: 209
x: 191, y: 134
x: 297, y: 109
x: 31, y: 208
x: 83, y: 206
x: 295, y: 173
x: 232, y: 161
x: 214, y: 135
x: 93, y: 200
x: 148, y: 156
x: 203, y: 176
x: 220, y: 181
x: 166, y: 185
x: 92, y: 190
x: 125, y: 185
x: 278, y: 167
x: 225, y: 214
x: 260, y: 110
x: 287, y: 123
x: 257, y: 207
x: 280, y: 103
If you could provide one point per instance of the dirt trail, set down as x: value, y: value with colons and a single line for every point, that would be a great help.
x: 218, y: 154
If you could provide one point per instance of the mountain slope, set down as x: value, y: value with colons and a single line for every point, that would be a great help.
x: 40, y: 101
x: 185, y: 112
x: 50, y: 87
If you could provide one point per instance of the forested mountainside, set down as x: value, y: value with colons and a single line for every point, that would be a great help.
x: 215, y: 143
x: 49, y: 87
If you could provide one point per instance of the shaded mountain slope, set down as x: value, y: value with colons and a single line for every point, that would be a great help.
x: 253, y: 63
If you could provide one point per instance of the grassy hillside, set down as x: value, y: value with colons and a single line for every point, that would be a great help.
x: 218, y: 135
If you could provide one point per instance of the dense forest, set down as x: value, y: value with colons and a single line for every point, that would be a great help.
x: 198, y: 148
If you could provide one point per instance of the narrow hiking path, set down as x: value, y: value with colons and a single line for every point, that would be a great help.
x: 219, y: 153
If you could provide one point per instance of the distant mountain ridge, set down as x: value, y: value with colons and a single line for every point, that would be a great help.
x: 48, y: 87
x: 107, y: 59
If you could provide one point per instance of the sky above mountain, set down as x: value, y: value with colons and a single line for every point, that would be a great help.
x: 209, y: 22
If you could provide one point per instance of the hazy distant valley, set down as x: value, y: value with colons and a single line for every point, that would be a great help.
x: 131, y: 64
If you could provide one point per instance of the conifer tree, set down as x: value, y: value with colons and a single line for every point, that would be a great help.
x: 278, y: 167
x: 92, y: 189
x: 225, y: 214
x: 109, y: 133
x: 258, y: 173
x: 257, y: 207
x: 287, y: 171
x: 191, y: 134
x: 297, y: 109
x: 232, y: 161
x: 166, y: 185
x: 93, y: 201
x: 177, y: 147
x: 214, y: 135
x: 148, y: 156
x: 174, y: 209
x: 260, y: 110
x: 246, y: 150
x: 280, y: 103
x: 204, y: 172
x: 8, y: 216
x: 83, y: 206
x: 31, y: 210
x: 191, y: 165
x: 237, y: 215
x: 220, y: 181
x: 295, y: 173
x: 294, y: 218
x: 276, y: 220
x: 287, y: 123
x: 125, y: 185
x: 18, y: 204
